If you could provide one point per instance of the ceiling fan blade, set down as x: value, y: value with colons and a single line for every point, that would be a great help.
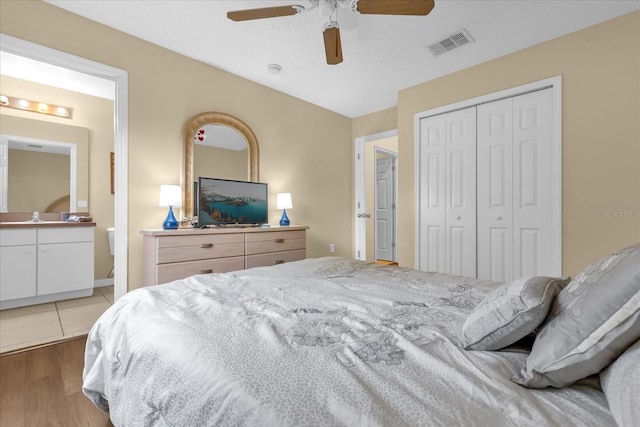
x: 332, y: 45
x: 267, y: 12
x: 395, y: 7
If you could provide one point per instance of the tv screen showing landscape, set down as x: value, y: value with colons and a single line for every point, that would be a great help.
x: 223, y: 201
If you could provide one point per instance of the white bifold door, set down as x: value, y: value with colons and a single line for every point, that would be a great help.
x: 515, y: 183
x: 448, y: 193
x: 486, y: 190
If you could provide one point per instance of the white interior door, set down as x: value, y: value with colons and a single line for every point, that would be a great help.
x: 460, y: 200
x: 515, y: 187
x: 364, y: 229
x: 447, y: 193
x: 532, y: 184
x: 495, y: 189
x: 518, y: 187
x: 431, y: 190
x: 385, y: 206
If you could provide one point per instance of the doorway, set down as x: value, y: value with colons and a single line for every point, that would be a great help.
x: 385, y: 205
x: 376, y: 197
x: 119, y: 78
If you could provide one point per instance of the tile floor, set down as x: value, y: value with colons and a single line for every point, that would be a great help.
x: 39, y: 324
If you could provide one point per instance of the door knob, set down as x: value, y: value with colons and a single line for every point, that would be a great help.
x: 499, y: 218
x: 458, y: 218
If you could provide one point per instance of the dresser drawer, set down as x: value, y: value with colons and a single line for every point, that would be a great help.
x: 275, y: 258
x: 278, y: 241
x: 170, y: 255
x: 199, y: 239
x: 179, y: 270
x: 198, y: 252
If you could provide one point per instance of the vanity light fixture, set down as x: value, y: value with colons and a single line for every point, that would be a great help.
x: 283, y: 201
x: 35, y: 106
x: 170, y: 196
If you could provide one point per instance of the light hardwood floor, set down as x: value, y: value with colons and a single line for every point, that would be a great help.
x: 43, y: 387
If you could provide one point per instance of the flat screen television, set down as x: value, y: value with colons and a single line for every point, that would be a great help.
x: 225, y: 201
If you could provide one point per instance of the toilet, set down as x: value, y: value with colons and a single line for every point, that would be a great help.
x: 111, y: 233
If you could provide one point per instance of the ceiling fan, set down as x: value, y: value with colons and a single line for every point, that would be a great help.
x: 331, y: 30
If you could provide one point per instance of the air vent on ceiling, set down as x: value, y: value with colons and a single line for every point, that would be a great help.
x: 455, y: 40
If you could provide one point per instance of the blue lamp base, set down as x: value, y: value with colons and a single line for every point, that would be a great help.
x: 170, y: 223
x: 284, y: 221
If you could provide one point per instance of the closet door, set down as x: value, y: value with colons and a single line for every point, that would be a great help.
x: 533, y: 182
x: 515, y: 184
x: 495, y: 189
x: 447, y: 184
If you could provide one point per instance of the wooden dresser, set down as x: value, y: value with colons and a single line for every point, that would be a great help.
x: 175, y: 254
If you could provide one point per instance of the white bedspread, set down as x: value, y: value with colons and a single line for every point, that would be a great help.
x: 319, y: 342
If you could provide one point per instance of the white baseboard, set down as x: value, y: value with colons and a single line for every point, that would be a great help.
x: 100, y: 283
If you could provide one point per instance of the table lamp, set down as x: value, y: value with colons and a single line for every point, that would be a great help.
x: 170, y: 195
x: 283, y: 201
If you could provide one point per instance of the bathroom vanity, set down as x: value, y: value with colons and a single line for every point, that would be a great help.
x: 46, y: 261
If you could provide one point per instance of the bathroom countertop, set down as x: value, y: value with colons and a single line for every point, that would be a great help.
x: 40, y: 224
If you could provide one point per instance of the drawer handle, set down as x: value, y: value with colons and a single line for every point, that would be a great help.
x: 279, y: 241
x: 278, y: 261
x: 207, y: 271
x: 206, y: 245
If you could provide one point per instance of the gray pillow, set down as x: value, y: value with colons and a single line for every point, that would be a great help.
x: 621, y: 384
x: 593, y: 320
x: 510, y: 313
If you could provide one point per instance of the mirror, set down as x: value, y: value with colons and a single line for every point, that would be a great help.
x: 217, y: 127
x: 45, y: 166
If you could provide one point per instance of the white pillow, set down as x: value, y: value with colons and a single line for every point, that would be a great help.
x: 593, y: 320
x: 510, y: 313
x: 621, y: 384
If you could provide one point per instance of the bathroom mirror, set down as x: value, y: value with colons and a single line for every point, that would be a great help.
x: 208, y: 137
x: 46, y: 167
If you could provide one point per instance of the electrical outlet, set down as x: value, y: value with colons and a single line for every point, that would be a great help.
x: 332, y: 248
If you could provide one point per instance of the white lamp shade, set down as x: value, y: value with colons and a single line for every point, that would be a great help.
x: 170, y: 195
x: 283, y: 201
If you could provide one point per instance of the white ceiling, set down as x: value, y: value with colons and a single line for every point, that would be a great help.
x: 20, y: 67
x: 382, y: 54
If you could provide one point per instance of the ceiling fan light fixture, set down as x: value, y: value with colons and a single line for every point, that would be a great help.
x: 331, y: 31
x: 330, y: 24
x: 332, y: 43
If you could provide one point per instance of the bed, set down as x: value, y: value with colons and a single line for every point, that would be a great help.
x: 320, y: 342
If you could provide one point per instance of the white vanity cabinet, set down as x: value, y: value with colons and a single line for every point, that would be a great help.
x: 40, y: 264
x: 18, y: 263
x: 65, y: 259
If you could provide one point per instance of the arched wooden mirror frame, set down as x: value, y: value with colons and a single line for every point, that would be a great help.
x: 188, y: 134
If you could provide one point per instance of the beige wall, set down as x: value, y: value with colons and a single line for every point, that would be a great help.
x: 600, y: 68
x: 91, y: 129
x: 380, y: 121
x: 304, y: 149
